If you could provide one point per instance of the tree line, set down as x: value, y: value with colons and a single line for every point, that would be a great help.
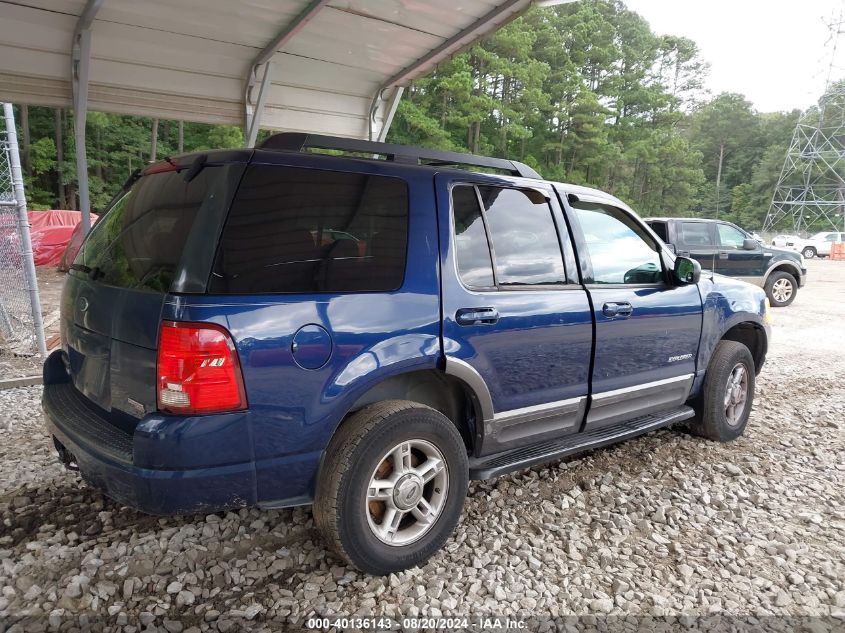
x: 585, y: 93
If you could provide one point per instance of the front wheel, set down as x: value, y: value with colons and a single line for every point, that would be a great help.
x: 392, y: 486
x: 728, y: 393
x: 781, y: 289
x: 809, y: 252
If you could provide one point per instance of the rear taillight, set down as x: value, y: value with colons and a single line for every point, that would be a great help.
x: 198, y: 369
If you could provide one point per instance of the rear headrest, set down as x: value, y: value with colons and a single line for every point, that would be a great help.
x: 344, y: 248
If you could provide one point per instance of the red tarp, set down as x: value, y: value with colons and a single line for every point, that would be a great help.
x: 51, y: 233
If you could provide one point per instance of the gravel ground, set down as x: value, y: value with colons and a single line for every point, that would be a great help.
x: 664, y: 525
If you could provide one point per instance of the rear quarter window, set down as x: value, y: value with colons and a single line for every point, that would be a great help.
x: 295, y: 230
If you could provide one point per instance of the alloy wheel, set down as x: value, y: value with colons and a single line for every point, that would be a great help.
x: 736, y: 394
x: 407, y: 492
x: 782, y: 290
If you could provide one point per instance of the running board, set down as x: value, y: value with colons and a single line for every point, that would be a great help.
x: 497, y: 464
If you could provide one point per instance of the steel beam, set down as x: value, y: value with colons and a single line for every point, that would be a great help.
x: 252, y: 120
x: 291, y: 29
x: 80, y: 59
x: 505, y: 12
x: 391, y: 104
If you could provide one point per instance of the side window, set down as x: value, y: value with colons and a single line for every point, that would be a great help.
x: 830, y: 237
x: 526, y: 249
x: 696, y: 234
x: 620, y: 250
x: 293, y: 230
x: 730, y: 237
x: 472, y: 250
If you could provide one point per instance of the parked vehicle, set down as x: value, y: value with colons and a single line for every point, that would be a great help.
x: 784, y: 241
x: 819, y: 244
x: 218, y: 351
x: 728, y: 250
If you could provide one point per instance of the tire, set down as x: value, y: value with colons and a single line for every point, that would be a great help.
x: 809, y: 252
x: 781, y: 289
x: 713, y: 419
x: 378, y: 535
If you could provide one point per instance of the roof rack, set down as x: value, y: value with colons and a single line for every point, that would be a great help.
x: 301, y: 141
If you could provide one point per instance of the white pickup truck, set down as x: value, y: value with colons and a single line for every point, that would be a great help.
x: 818, y: 245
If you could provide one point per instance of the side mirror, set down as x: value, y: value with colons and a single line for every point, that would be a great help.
x: 749, y: 244
x: 687, y: 271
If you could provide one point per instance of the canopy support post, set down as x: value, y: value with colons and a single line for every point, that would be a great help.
x: 80, y: 63
x: 389, y: 111
x: 252, y: 119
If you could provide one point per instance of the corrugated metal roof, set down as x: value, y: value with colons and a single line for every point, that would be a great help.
x: 189, y: 59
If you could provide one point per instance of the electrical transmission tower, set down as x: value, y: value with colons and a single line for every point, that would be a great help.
x: 810, y: 194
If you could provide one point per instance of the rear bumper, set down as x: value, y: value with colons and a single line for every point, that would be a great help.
x: 105, y: 460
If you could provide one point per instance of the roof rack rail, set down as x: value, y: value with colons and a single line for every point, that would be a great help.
x: 300, y: 141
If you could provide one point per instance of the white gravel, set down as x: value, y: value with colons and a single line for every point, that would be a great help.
x: 664, y: 525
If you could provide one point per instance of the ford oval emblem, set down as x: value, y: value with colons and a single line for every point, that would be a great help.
x: 82, y: 304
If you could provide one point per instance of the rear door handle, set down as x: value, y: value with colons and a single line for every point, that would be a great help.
x: 617, y: 309
x: 476, y: 316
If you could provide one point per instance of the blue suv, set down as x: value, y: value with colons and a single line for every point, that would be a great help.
x: 367, y: 332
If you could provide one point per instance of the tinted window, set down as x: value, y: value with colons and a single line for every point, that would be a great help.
x: 525, y: 245
x: 620, y: 250
x: 696, y: 234
x: 660, y: 229
x: 306, y: 230
x: 139, y: 242
x: 730, y: 236
x: 473, y: 253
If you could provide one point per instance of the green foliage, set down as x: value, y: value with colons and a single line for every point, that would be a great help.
x: 584, y: 92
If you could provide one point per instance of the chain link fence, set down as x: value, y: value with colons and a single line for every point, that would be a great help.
x: 18, y: 327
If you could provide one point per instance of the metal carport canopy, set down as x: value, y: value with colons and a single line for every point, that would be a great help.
x: 332, y: 62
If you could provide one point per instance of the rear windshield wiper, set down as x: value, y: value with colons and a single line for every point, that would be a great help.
x: 93, y: 273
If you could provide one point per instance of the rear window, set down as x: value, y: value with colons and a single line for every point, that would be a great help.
x: 294, y: 230
x: 140, y: 242
x: 696, y: 234
x: 660, y: 229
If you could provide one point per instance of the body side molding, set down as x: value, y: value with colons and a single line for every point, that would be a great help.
x: 611, y: 407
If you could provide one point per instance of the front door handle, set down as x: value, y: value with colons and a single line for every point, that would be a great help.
x: 723, y: 254
x: 617, y: 309
x: 476, y: 316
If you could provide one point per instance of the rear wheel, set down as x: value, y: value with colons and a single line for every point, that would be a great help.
x: 392, y: 487
x: 781, y: 289
x: 728, y: 393
x: 809, y: 252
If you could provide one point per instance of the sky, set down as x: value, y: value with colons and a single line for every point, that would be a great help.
x: 772, y: 51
